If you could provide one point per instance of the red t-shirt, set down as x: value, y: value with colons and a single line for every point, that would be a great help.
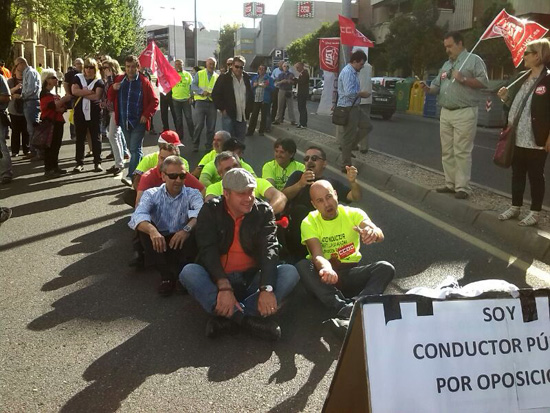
x: 47, y: 108
x: 236, y: 259
x: 153, y: 178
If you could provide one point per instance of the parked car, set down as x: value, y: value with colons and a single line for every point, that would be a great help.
x: 388, y: 82
x: 317, y: 91
x: 383, y: 102
x: 313, y: 83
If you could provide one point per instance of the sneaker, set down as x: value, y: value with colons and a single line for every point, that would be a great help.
x: 217, y: 326
x: 114, y: 170
x: 444, y: 190
x: 166, y: 287
x: 126, y: 181
x: 98, y: 168
x: 264, y: 328
x: 5, y: 214
x: 293, y: 123
x: 88, y: 155
x: 461, y: 195
x: 300, y: 127
x: 78, y: 169
x: 14, y: 155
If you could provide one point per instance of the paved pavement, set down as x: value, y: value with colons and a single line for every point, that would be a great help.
x: 416, y: 139
x: 83, y: 332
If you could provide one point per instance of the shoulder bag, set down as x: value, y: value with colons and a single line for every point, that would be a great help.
x: 340, y: 116
x: 504, y: 152
x: 43, y: 134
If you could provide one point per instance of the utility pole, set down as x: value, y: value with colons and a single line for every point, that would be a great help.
x: 346, y: 12
x: 196, y: 37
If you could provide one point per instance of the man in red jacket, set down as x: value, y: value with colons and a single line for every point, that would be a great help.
x: 135, y: 103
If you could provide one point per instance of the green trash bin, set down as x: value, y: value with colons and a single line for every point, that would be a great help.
x: 403, y: 93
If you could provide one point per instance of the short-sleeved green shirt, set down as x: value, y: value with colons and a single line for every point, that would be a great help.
x: 209, y: 157
x: 337, y: 237
x: 454, y: 95
x: 151, y: 160
x: 272, y: 170
x: 209, y: 174
x: 217, y: 189
x: 182, y: 89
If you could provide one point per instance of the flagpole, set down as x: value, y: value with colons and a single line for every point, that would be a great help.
x: 518, y: 79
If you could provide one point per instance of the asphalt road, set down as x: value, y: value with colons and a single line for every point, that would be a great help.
x: 416, y: 139
x: 82, y: 332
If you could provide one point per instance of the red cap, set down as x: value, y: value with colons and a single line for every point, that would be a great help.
x: 169, y: 136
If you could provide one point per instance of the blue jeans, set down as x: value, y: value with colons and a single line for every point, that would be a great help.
x: 31, y: 110
x: 199, y: 284
x: 205, y: 111
x: 6, y: 171
x: 236, y: 129
x: 134, y: 140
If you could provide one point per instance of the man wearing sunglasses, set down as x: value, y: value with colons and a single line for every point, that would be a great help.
x: 299, y: 202
x: 233, y: 97
x: 164, y: 219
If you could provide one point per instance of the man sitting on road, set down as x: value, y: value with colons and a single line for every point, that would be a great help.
x: 220, y: 137
x: 332, y: 234
x: 299, y: 201
x: 164, y: 219
x: 237, y: 277
x: 279, y: 169
x: 226, y: 161
x: 209, y: 174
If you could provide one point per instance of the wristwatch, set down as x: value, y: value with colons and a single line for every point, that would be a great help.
x: 267, y: 288
x: 187, y: 228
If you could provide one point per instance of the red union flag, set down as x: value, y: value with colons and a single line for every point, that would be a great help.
x: 153, y: 58
x: 350, y: 36
x: 516, y: 33
x: 329, y: 53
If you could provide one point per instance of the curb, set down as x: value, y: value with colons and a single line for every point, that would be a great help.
x: 531, y: 240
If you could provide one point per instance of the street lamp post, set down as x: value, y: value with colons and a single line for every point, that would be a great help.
x: 173, y: 25
x: 196, y: 37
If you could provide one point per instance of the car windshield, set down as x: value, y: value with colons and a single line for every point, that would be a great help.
x: 378, y: 88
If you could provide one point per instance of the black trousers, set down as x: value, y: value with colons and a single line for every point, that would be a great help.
x: 169, y: 263
x: 81, y: 128
x: 258, y: 107
x: 51, y: 154
x: 274, y: 102
x: 19, y: 135
x: 528, y: 162
x: 166, y: 103
x: 302, y: 109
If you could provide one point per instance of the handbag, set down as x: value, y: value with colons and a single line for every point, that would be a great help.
x: 43, y: 134
x: 340, y: 115
x: 71, y: 111
x: 504, y: 151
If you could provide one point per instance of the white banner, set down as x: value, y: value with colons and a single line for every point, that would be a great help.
x: 330, y: 90
x: 469, y: 356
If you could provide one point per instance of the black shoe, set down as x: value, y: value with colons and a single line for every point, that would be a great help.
x: 98, y: 168
x: 60, y: 171
x: 263, y: 328
x: 444, y: 190
x: 126, y: 181
x: 110, y: 156
x: 166, y: 287
x: 78, y: 168
x: 115, y: 170
x: 462, y: 195
x: 217, y: 326
x: 5, y: 214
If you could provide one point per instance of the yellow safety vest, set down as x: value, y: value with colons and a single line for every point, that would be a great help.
x: 205, y: 84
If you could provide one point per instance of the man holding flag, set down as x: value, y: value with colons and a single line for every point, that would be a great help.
x: 458, y: 84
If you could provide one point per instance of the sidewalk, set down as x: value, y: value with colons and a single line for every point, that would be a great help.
x: 415, y: 184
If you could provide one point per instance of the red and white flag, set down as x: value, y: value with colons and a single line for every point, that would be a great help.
x: 329, y: 53
x: 153, y: 58
x: 350, y: 36
x: 516, y: 33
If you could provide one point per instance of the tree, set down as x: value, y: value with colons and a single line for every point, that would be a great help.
x: 415, y: 41
x: 227, y: 42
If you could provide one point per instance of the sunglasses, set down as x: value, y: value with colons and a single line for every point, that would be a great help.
x: 314, y: 158
x: 176, y: 176
x: 238, y: 67
x: 528, y: 52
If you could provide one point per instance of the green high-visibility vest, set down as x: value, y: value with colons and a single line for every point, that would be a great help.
x: 204, y: 84
x: 182, y: 91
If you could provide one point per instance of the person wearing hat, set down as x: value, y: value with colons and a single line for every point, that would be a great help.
x: 168, y: 139
x: 237, y: 278
x: 209, y: 174
x: 220, y: 137
x: 165, y: 219
x: 225, y: 161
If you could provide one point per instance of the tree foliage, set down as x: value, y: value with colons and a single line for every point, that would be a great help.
x: 226, y: 42
x: 415, y: 41
x: 87, y: 27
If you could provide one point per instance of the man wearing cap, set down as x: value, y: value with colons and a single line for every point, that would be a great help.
x: 225, y: 161
x: 299, y: 202
x: 165, y: 219
x: 220, y: 137
x: 181, y: 98
x: 233, y: 97
x: 209, y: 174
x: 237, y: 278
x: 205, y: 110
x: 166, y: 139
x: 333, y: 235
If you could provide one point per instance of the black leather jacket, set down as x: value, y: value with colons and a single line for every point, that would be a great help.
x: 258, y: 236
